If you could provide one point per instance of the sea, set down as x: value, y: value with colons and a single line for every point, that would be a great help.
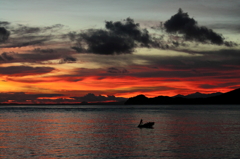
x: 105, y: 132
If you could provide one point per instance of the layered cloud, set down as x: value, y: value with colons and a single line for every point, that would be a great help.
x: 22, y: 43
x: 24, y: 70
x: 22, y: 36
x: 117, y: 70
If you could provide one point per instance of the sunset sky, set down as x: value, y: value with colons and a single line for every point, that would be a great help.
x: 103, y: 50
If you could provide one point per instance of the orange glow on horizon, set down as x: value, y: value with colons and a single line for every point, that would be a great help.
x: 120, y: 87
x: 56, y: 82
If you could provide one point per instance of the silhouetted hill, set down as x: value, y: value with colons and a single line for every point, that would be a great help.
x: 231, y: 97
x: 198, y: 95
x: 139, y: 99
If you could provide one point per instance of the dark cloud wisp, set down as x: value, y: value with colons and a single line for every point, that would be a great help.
x: 68, y: 59
x: 23, y: 30
x: 4, y: 23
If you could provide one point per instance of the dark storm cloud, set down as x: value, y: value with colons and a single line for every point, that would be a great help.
x: 181, y: 23
x: 4, y: 34
x: 130, y: 29
x: 23, y: 97
x: 105, y: 42
x: 122, y: 37
x: 24, y: 70
x: 118, y: 38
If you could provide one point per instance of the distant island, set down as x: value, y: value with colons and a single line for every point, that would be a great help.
x: 231, y: 97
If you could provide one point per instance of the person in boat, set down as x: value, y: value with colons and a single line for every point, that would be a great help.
x: 146, y: 125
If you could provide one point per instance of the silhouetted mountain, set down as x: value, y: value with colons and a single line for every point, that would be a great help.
x: 231, y: 97
x: 139, y: 99
x: 198, y: 95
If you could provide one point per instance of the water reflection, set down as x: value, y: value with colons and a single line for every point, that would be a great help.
x: 200, y: 134
x: 105, y: 133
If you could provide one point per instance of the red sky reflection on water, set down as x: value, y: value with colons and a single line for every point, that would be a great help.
x: 99, y: 132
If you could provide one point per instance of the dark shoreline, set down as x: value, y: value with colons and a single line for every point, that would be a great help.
x: 229, y: 98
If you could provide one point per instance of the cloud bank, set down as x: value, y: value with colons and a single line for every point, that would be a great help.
x: 123, y: 37
x: 23, y: 97
x: 90, y: 97
x: 59, y: 98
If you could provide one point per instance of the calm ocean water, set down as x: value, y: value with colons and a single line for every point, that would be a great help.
x: 180, y: 132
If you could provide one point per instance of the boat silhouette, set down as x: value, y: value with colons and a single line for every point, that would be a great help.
x: 146, y: 125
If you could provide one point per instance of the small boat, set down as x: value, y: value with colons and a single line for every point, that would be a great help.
x: 146, y: 125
